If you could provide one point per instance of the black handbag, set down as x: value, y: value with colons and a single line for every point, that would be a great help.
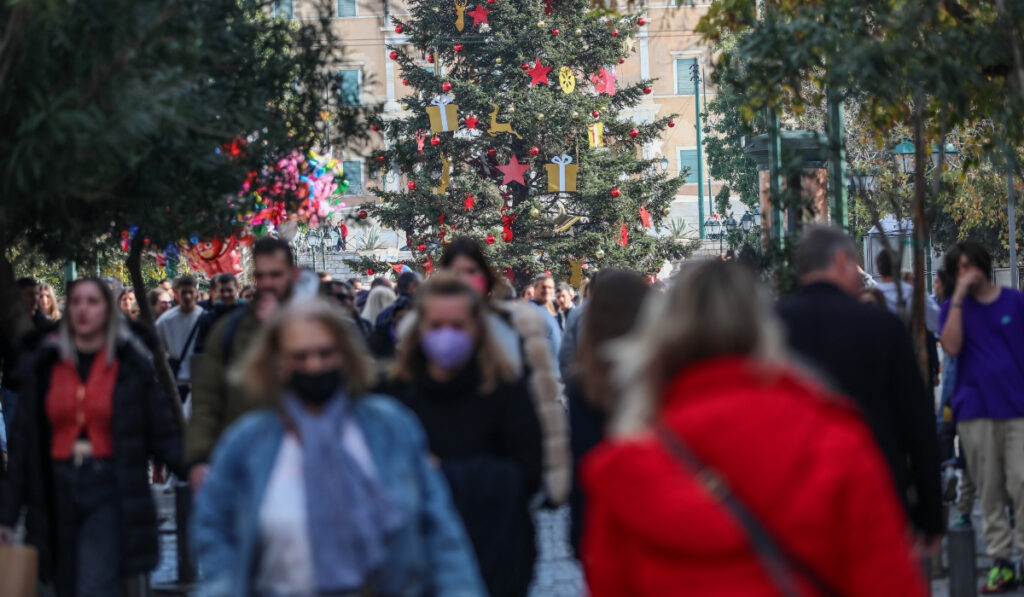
x: 780, y: 564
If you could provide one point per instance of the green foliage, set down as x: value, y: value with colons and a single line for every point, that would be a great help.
x: 149, y: 113
x: 487, y: 71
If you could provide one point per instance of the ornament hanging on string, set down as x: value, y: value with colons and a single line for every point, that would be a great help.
x: 479, y: 15
x: 446, y: 174
x: 513, y: 171
x: 421, y: 139
x: 460, y: 14
x: 506, y: 225
x: 562, y: 174
x: 595, y: 134
x: 566, y: 79
x: 645, y: 216
x: 539, y: 74
x: 604, y: 80
x: 469, y: 203
x: 624, y: 235
x: 428, y: 265
x: 576, y: 278
x: 548, y: 9
x: 443, y: 114
x: 499, y: 127
x: 471, y: 121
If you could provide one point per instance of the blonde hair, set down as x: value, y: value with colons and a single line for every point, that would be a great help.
x: 714, y: 308
x: 112, y: 335
x: 258, y: 372
x: 53, y: 313
x: 493, y: 365
x: 378, y: 300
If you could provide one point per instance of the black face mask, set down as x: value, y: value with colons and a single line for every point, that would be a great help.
x: 315, y: 388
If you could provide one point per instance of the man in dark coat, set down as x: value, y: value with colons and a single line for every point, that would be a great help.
x: 865, y: 353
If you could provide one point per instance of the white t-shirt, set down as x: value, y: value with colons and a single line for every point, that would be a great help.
x: 931, y: 308
x: 174, y: 327
x: 286, y: 565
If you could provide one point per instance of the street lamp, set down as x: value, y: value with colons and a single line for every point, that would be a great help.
x: 747, y: 222
x: 950, y: 150
x: 904, y: 154
x: 664, y: 164
x: 712, y: 227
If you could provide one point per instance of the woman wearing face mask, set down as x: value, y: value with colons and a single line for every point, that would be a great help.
x: 329, y: 491
x: 521, y: 333
x: 480, y: 426
x: 91, y: 415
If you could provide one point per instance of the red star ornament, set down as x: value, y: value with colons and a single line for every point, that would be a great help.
x: 645, y: 216
x: 624, y: 235
x: 471, y: 121
x: 513, y: 171
x: 479, y: 15
x: 539, y: 74
x: 469, y: 203
x: 428, y: 265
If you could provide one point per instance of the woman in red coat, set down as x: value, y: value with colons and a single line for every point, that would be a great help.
x: 706, y: 369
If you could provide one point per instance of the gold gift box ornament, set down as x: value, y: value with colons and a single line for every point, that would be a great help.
x: 562, y: 174
x: 444, y: 115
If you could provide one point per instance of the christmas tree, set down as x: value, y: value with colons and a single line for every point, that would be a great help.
x: 515, y: 134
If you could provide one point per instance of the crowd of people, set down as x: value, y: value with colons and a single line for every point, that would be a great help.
x: 379, y: 438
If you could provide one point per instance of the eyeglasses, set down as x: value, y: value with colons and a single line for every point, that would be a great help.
x: 301, y: 356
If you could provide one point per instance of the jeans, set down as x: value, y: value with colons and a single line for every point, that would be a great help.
x: 87, y: 550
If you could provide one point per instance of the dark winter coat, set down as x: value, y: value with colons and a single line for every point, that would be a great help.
x: 865, y: 353
x: 141, y: 428
x: 490, y: 452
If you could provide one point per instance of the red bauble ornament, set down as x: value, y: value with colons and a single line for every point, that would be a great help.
x: 647, y: 90
x: 430, y: 59
x: 422, y: 248
x: 622, y: 61
x: 554, y: 32
x: 362, y: 214
x: 380, y: 158
x: 615, y: 32
x: 398, y: 29
x: 412, y: 185
x: 595, y: 114
x: 370, y: 271
x: 373, y: 127
x: 489, y: 239
x: 525, y: 67
x: 458, y: 47
x: 446, y: 86
x: 435, y: 141
x: 491, y: 152
x: 534, y: 151
x: 491, y: 1
x: 641, y: 21
x: 405, y: 82
x: 615, y: 192
x: 671, y: 123
x: 634, y: 133
x: 393, y: 55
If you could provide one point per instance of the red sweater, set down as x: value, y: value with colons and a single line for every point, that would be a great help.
x: 801, y: 460
x: 72, y: 406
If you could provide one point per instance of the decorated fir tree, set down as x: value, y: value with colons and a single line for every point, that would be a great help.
x: 513, y: 132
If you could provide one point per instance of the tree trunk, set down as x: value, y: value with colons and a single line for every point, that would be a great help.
x: 14, y: 320
x: 163, y: 369
x: 917, y: 323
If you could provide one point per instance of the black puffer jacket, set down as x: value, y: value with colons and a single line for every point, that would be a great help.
x: 141, y: 428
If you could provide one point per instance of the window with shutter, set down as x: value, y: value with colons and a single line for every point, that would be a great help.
x: 284, y: 9
x: 349, y: 87
x: 688, y: 162
x: 354, y: 175
x: 684, y: 76
x: 346, y: 8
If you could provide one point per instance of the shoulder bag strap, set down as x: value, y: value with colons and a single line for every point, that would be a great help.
x: 188, y: 341
x: 777, y: 562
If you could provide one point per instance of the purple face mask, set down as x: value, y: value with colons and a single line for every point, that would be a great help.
x: 447, y: 347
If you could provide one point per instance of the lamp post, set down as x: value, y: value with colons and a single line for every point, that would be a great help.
x: 695, y: 76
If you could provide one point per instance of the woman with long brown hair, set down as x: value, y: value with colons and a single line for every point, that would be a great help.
x: 48, y: 303
x: 480, y: 423
x: 91, y: 414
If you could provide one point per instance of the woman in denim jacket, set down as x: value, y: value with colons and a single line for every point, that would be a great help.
x: 331, y: 490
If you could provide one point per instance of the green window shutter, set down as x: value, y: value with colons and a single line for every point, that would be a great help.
x: 354, y: 175
x: 284, y: 9
x: 688, y: 159
x: 684, y: 76
x: 349, y: 88
x: 346, y: 8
